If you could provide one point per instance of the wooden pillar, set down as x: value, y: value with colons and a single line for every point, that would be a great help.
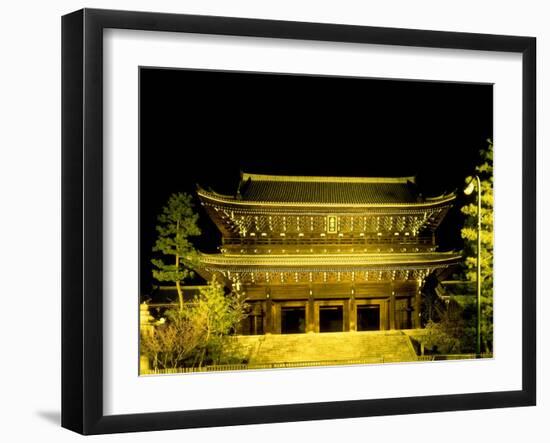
x: 384, y: 306
x: 417, y: 305
x: 276, y: 318
x: 352, y: 312
x: 410, y: 313
x: 310, y: 312
x: 392, y: 306
x: 316, y: 321
x: 268, y: 318
x: 346, y: 316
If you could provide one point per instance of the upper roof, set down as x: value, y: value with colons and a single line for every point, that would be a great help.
x: 335, y: 190
x: 302, y: 192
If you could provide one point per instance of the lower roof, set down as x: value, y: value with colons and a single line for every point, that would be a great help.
x: 312, y: 262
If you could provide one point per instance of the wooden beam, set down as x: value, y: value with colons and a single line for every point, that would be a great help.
x: 392, y: 305
x: 417, y: 305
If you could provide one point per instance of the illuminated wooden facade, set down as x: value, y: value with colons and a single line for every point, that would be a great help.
x: 323, y: 254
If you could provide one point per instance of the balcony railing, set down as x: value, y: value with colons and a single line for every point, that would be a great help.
x: 330, y: 241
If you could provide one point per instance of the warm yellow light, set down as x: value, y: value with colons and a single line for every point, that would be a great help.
x: 470, y: 187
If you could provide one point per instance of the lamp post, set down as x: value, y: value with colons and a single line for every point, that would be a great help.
x: 468, y: 191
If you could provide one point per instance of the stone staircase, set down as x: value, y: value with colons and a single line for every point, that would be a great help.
x: 335, y: 347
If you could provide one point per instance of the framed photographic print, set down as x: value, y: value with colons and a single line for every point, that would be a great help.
x: 268, y: 221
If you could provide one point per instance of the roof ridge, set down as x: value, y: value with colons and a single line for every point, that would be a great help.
x: 245, y: 176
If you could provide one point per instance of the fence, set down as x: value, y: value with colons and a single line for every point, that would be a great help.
x: 242, y: 367
x: 303, y: 364
x: 437, y: 357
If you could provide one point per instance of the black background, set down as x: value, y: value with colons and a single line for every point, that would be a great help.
x: 206, y: 126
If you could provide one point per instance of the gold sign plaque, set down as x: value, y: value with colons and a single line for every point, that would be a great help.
x: 332, y: 224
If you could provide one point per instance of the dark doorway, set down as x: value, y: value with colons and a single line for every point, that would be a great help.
x: 293, y: 320
x: 331, y: 319
x: 368, y: 318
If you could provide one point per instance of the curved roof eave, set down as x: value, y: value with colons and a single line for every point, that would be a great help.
x: 429, y: 259
x: 230, y: 200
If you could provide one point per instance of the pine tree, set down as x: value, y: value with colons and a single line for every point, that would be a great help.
x: 469, y: 234
x: 176, y: 223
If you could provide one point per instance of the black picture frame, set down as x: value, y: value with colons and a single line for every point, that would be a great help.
x: 82, y: 220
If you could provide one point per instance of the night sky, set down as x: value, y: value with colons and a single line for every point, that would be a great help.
x: 205, y: 126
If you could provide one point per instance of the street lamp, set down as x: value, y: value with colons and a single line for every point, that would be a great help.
x: 468, y: 191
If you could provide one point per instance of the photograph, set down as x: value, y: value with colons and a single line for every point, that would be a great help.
x: 275, y: 221
x: 292, y: 220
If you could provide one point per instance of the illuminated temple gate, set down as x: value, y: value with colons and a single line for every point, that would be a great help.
x: 326, y: 254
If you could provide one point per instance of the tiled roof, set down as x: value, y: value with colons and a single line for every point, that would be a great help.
x: 336, y: 190
x: 240, y: 262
